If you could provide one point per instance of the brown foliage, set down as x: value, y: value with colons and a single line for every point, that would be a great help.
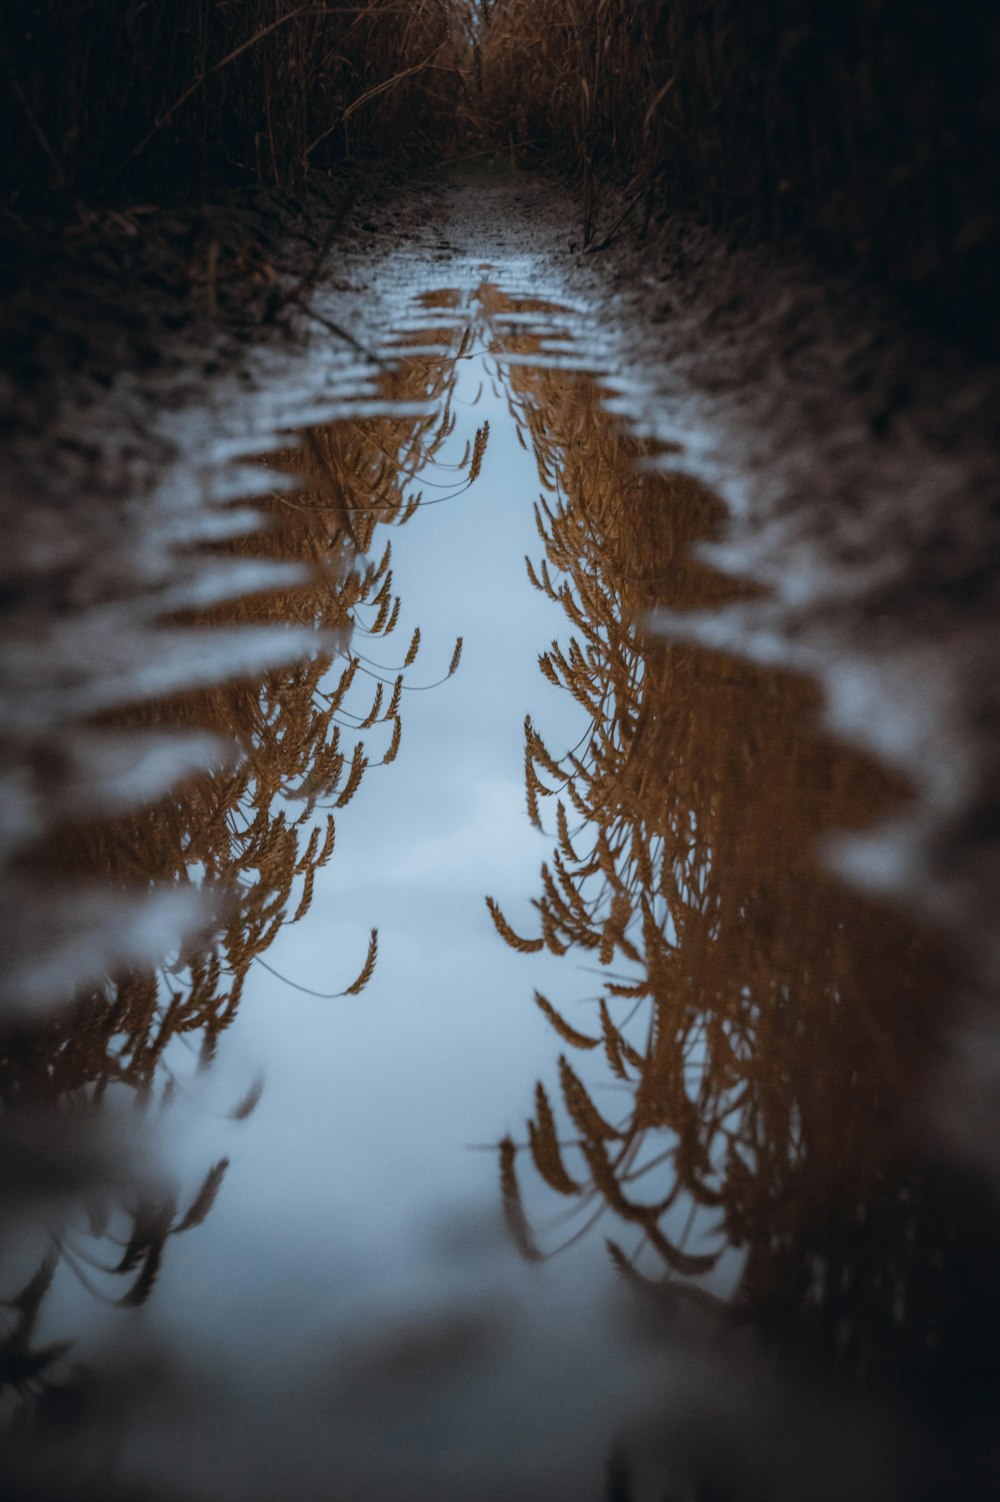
x: 869, y: 125
x: 758, y: 1020
x: 104, y: 93
x: 262, y: 831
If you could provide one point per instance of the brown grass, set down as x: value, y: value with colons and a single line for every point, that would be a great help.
x: 868, y: 127
x: 756, y: 1023
x: 312, y: 737
x: 261, y: 831
x: 103, y: 94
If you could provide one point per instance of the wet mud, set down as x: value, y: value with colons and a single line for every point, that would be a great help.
x: 497, y: 901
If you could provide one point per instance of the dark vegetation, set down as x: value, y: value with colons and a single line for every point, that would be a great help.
x: 114, y: 95
x: 154, y: 161
x: 866, y: 130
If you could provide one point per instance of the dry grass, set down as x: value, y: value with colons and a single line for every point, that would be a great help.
x: 106, y: 95
x: 868, y: 127
x: 755, y: 1023
x: 311, y: 736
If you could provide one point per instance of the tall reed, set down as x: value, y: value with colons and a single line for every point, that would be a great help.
x: 869, y: 127
x: 756, y: 1026
x: 310, y: 736
x: 123, y: 92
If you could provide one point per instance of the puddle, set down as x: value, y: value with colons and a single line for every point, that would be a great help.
x: 443, y: 1197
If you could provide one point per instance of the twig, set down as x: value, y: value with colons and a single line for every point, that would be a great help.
x: 341, y: 333
x: 379, y: 88
x: 43, y: 139
x: 310, y: 276
x: 604, y: 244
x: 224, y: 62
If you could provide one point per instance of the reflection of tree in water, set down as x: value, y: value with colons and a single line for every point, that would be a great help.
x: 762, y: 1032
x: 257, y: 832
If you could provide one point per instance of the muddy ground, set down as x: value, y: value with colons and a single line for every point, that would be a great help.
x: 144, y: 348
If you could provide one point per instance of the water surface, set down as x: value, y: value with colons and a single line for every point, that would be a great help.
x: 520, y: 1089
